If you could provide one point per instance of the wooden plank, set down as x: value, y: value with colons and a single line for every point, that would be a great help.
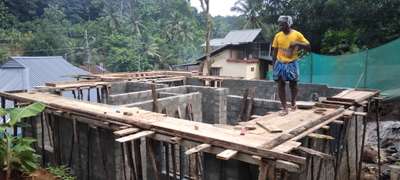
x: 255, y: 116
x: 135, y: 136
x: 311, y: 130
x: 270, y: 128
x: 197, y: 149
x: 229, y: 139
x: 289, y: 166
x: 124, y: 132
x: 338, y: 122
x: 287, y: 146
x: 314, y: 152
x: 320, y: 136
x: 227, y: 154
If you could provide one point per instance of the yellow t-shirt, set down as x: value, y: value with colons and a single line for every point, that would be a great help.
x: 282, y: 41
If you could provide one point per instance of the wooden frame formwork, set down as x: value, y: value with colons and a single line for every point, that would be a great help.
x: 276, y: 154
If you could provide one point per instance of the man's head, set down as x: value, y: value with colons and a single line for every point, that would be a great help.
x: 285, y: 22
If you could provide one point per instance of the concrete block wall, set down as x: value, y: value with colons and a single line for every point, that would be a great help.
x: 173, y: 103
x: 213, y: 100
x: 128, y: 86
x: 214, y: 103
x: 268, y: 90
x: 93, y: 154
x: 260, y: 107
x: 133, y: 97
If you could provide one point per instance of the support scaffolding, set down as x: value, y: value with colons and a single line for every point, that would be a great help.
x: 276, y: 152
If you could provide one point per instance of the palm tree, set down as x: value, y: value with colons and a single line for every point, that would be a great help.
x: 251, y: 9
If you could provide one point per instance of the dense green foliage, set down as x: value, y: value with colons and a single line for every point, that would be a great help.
x: 125, y: 35
x: 62, y: 172
x: 131, y: 35
x: 333, y: 26
x: 16, y: 153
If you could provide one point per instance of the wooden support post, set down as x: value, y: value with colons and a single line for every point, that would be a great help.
x: 227, y: 154
x: 130, y: 160
x: 155, y: 97
x: 166, y: 153
x: 197, y: 149
x: 3, y: 105
x: 153, y: 160
x: 42, y: 139
x: 135, y: 136
x: 362, y: 147
x: 15, y: 127
x: 243, y: 105
x: 249, y: 104
x: 73, y: 93
x: 98, y: 95
x: 173, y: 158
x: 81, y: 94
x: 102, y: 154
x: 181, y: 163
x: 138, y: 159
x: 88, y: 94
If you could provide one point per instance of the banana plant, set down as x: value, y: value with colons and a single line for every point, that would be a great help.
x: 16, y: 153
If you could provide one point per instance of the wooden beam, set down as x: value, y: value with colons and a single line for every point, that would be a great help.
x: 126, y: 131
x: 280, y: 164
x: 255, y: 116
x: 270, y: 128
x: 338, y: 122
x: 135, y: 136
x: 360, y: 113
x: 160, y: 125
x: 197, y: 149
x: 311, y: 130
x: 320, y: 136
x: 325, y: 127
x: 227, y: 154
x: 176, y: 140
x: 314, y: 152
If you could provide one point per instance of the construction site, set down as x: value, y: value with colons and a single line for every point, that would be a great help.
x: 177, y: 125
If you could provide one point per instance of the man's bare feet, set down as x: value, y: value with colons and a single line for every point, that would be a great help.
x: 283, y: 112
x: 293, y: 108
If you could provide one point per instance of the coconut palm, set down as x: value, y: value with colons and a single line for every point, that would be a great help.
x: 251, y: 9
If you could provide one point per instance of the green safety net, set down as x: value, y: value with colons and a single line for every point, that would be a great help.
x: 376, y: 68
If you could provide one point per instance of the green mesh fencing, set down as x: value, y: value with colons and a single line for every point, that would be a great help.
x: 376, y: 68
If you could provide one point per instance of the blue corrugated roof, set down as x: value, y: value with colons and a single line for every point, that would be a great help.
x: 11, y: 64
x: 241, y: 36
x: 24, y: 72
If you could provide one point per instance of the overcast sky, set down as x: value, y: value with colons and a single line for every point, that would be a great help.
x: 217, y: 7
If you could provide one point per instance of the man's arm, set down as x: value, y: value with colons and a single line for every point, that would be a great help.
x: 300, y: 45
x: 274, y: 54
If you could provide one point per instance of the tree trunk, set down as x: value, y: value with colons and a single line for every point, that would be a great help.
x: 205, y: 4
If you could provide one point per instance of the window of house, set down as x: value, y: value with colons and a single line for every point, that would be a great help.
x: 252, y: 69
x: 215, y: 71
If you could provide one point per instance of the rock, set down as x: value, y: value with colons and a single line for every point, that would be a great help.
x: 370, y: 155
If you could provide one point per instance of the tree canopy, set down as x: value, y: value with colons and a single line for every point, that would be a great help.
x: 132, y: 35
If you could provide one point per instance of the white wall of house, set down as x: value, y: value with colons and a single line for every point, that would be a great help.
x: 234, y: 69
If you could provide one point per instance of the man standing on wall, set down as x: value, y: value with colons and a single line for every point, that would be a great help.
x: 287, y: 44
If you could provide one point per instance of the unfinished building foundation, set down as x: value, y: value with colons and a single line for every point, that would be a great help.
x: 176, y: 126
